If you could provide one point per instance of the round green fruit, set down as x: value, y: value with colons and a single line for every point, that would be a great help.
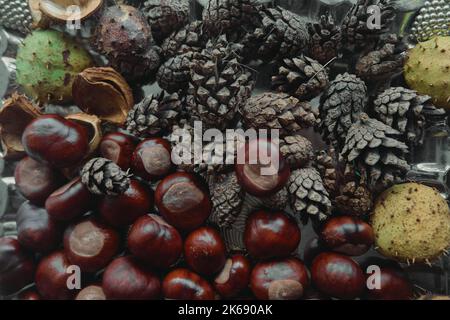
x: 428, y: 70
x: 411, y: 223
x: 47, y: 64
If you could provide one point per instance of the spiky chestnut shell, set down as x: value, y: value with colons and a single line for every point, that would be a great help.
x: 411, y: 223
x: 428, y: 70
x: 47, y: 63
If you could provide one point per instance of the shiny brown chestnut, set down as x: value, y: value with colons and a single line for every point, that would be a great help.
x: 393, y: 285
x: 29, y: 294
x: 92, y: 292
x: 57, y: 141
x: 234, y: 277
x: 52, y: 275
x: 16, y: 266
x: 260, y: 168
x: 182, y: 284
x: 271, y: 235
x: 70, y: 201
x: 126, y: 279
x: 125, y: 209
x: 348, y: 235
x: 155, y: 242
x: 90, y: 244
x: 337, y: 275
x: 35, y: 180
x: 183, y: 201
x: 36, y: 230
x: 285, y: 279
x: 152, y: 159
x: 119, y: 148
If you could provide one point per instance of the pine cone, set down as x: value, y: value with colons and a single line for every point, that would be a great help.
x: 375, y: 148
x: 278, y: 111
x: 278, y: 201
x: 308, y: 195
x: 301, y: 77
x: 103, y: 177
x: 356, y: 33
x: 219, y: 85
x: 326, y: 163
x: 175, y: 73
x: 16, y: 15
x: 405, y: 110
x: 340, y: 105
x: 154, y: 114
x: 166, y: 16
x: 325, y: 39
x: 227, y: 197
x: 191, y: 38
x: 297, y: 150
x: 384, y: 62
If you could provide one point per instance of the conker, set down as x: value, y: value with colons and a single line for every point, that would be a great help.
x: 16, y: 266
x: 155, y: 242
x: 152, y: 159
x: 52, y: 275
x: 182, y: 284
x: 125, y: 209
x: 271, y: 235
x: 338, y: 276
x: 204, y: 251
x: 347, y: 235
x: 70, y: 201
x: 35, y: 180
x: 29, y: 294
x: 119, y: 148
x: 57, y: 141
x: 261, y: 169
x: 285, y: 279
x: 394, y: 285
x: 126, y: 279
x: 36, y: 230
x: 234, y: 277
x: 90, y: 244
x: 183, y: 201
x: 93, y: 292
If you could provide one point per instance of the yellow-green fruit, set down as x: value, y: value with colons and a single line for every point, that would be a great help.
x: 411, y: 223
x: 428, y: 70
x: 47, y: 64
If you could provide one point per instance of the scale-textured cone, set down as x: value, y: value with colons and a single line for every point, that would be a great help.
x: 278, y: 201
x: 326, y: 163
x: 297, y: 150
x: 325, y: 39
x: 189, y: 38
x: 175, y: 73
x: 103, y: 177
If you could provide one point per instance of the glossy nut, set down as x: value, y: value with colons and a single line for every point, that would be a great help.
x: 393, y: 285
x: 90, y: 244
x: 29, y: 294
x: 152, y: 159
x: 119, y: 148
x: 234, y: 277
x: 347, y: 235
x: 93, y: 292
x: 285, y: 279
x: 183, y: 201
x: 271, y: 235
x: 182, y: 284
x: 52, y: 139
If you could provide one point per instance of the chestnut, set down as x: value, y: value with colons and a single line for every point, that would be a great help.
x: 285, y: 279
x: 152, y: 159
x: 16, y: 266
x: 337, y: 275
x: 234, y: 277
x: 394, y: 285
x: 261, y: 169
x: 36, y: 230
x: 70, y: 201
x: 119, y: 148
x: 57, y: 141
x: 204, y: 251
x: 155, y: 242
x: 348, y: 235
x: 182, y: 284
x: 90, y: 244
x: 125, y: 209
x: 35, y: 180
x: 29, y: 294
x: 52, y: 275
x: 126, y: 279
x: 93, y: 292
x: 183, y: 201
x: 271, y: 235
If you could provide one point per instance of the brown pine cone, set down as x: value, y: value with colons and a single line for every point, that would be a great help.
x: 327, y: 164
x: 278, y: 201
x: 103, y: 177
x: 297, y: 150
x: 190, y: 38
x: 175, y: 73
x: 325, y: 39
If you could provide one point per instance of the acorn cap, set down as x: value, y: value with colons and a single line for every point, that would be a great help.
x: 60, y: 9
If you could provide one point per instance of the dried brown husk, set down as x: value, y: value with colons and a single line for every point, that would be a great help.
x: 58, y: 9
x: 92, y: 123
x: 103, y: 92
x: 17, y: 112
